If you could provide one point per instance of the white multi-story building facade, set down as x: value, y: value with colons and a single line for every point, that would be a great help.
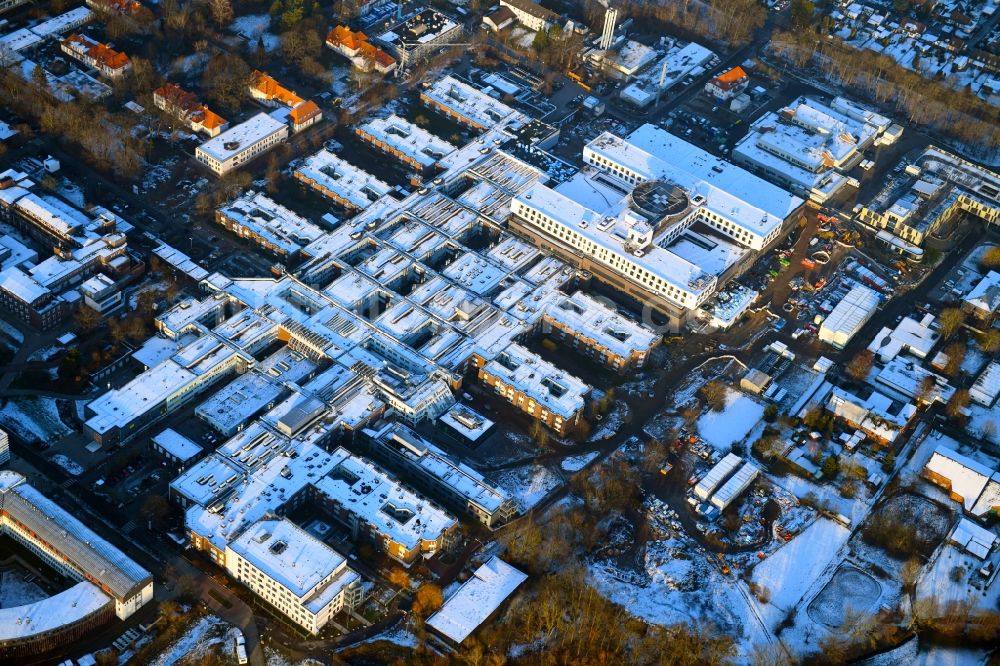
x: 294, y: 572
x: 242, y: 143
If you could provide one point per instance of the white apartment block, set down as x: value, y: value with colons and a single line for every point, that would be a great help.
x: 241, y: 143
x: 294, y: 572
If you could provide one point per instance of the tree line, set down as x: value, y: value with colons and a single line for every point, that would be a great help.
x: 959, y: 114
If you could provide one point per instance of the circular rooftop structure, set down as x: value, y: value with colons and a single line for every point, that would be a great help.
x: 657, y: 199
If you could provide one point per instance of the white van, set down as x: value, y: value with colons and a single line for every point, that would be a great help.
x: 241, y: 647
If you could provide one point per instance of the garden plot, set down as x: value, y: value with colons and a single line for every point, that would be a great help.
x: 732, y: 424
x: 15, y: 591
x: 789, y: 573
x: 34, y: 419
x: 528, y: 485
x: 849, y: 593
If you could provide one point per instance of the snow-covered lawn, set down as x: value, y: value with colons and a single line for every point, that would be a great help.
x: 34, y: 418
x: 936, y: 581
x: 732, y: 424
x: 528, y: 484
x: 14, y: 591
x: 71, y: 467
x: 576, y: 463
x: 255, y: 27
x: 205, y: 633
x: 11, y: 332
x: 791, y: 571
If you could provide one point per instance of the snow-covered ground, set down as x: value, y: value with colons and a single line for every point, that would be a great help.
x: 34, y: 418
x: 528, y: 484
x: 828, y: 496
x: 255, y: 27
x: 11, y: 332
x: 732, y: 424
x: 71, y: 192
x: 398, y: 635
x: 912, y: 654
x: 678, y: 585
x: 71, y: 467
x: 14, y: 591
x: 611, y: 423
x: 202, y: 635
x: 791, y: 571
x: 937, y: 583
x: 576, y: 463
x: 45, y: 353
x: 984, y: 422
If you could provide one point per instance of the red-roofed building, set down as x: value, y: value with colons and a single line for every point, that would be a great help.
x: 729, y: 84
x: 104, y: 59
x: 302, y: 112
x: 362, y: 53
x: 184, y: 105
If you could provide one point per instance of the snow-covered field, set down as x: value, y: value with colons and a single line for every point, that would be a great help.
x: 679, y: 586
x: 731, y: 425
x: 34, y: 418
x: 789, y: 573
x: 14, y: 591
x: 528, y: 484
x: 71, y: 467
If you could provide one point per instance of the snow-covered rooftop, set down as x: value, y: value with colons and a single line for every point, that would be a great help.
x: 461, y: 479
x: 49, y: 614
x: 76, y: 543
x: 240, y: 137
x: 278, y: 225
x: 968, y: 477
x: 400, y: 135
x: 326, y: 172
x: 471, y: 104
x: 292, y: 557
x: 555, y: 390
x: 477, y: 599
x: 851, y: 313
x: 177, y: 445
